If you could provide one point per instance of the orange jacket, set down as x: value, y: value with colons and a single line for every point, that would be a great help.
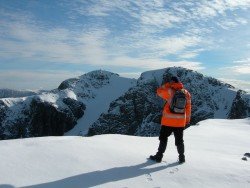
x: 166, y: 92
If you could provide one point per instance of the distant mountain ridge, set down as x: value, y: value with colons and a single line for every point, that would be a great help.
x: 102, y: 102
x: 10, y: 93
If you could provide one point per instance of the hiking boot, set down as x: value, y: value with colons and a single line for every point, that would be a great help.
x: 182, y: 159
x: 157, y: 158
x: 180, y: 149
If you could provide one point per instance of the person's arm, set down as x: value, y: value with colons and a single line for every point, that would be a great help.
x: 188, y: 108
x: 163, y: 91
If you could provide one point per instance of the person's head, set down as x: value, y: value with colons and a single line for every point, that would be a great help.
x: 174, y: 79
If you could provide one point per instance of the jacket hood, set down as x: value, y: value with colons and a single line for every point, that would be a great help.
x: 177, y: 85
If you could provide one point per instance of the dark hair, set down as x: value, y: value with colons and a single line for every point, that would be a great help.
x: 175, y: 79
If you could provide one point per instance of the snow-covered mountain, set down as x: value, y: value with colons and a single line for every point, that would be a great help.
x: 107, y: 103
x: 138, y: 111
x: 214, y: 152
x: 57, y: 111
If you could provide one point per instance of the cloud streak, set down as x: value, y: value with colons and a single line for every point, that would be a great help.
x: 241, y: 84
x: 16, y: 79
x: 242, y: 66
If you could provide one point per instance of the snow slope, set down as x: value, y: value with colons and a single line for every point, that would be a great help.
x: 214, y: 150
x: 100, y: 103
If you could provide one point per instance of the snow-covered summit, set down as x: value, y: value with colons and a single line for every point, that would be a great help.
x: 100, y: 74
x: 97, y: 78
x: 57, y: 111
x: 214, y: 152
x: 185, y: 75
x: 138, y: 111
x: 104, y: 87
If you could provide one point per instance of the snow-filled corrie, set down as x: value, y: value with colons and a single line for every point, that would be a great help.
x: 214, y: 151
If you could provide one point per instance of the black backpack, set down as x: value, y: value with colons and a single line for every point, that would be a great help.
x: 178, y: 103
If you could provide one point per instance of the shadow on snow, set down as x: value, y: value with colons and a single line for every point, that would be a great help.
x: 96, y: 178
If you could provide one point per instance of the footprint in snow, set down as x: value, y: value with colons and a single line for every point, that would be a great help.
x: 174, y: 171
x: 165, y: 162
x: 149, y: 177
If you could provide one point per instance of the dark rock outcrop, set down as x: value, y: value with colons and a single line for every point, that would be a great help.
x: 47, y: 120
x: 40, y: 118
x: 127, y: 114
x: 2, y: 116
x: 77, y: 108
x: 240, y: 107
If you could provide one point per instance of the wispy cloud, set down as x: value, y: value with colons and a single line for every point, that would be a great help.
x: 33, y: 42
x: 190, y: 54
x: 150, y: 18
x: 16, y: 79
x: 130, y: 74
x: 176, y: 44
x: 149, y: 64
x: 231, y: 23
x: 241, y: 84
x: 242, y: 66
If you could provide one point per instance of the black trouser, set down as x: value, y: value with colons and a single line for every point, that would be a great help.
x: 165, y: 132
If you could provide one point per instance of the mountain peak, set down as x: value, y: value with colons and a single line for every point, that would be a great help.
x: 185, y: 75
x: 100, y: 74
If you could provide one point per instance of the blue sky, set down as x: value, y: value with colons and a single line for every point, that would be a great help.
x: 43, y: 42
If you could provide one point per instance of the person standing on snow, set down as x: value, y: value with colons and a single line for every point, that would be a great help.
x: 175, y: 116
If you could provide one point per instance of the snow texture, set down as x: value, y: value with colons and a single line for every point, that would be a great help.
x: 214, y: 151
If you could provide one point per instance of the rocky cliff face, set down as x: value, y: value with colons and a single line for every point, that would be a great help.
x: 35, y: 117
x: 136, y: 108
x: 241, y: 106
x: 46, y: 119
x: 138, y: 111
